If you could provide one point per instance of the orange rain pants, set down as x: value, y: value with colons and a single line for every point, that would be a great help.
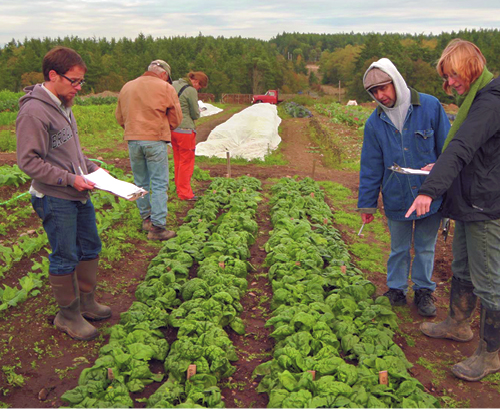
x: 183, y: 145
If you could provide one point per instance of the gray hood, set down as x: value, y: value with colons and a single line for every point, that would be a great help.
x: 398, y: 112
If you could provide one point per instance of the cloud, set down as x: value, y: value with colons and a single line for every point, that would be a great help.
x: 257, y: 18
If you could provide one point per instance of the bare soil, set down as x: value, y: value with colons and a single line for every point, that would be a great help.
x: 51, y: 362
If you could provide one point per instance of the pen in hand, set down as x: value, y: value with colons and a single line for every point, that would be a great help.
x: 88, y: 185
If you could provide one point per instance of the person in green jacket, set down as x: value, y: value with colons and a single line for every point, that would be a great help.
x: 184, y: 136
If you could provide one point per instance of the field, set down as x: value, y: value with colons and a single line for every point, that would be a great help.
x: 318, y: 159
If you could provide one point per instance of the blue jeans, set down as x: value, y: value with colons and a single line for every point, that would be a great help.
x: 149, y: 161
x: 424, y: 232
x: 71, y: 230
x: 476, y: 258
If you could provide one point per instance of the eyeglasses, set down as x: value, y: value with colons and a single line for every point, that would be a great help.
x: 454, y: 76
x: 74, y: 83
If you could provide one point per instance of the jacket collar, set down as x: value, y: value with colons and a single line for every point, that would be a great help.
x: 150, y: 74
x: 414, y: 100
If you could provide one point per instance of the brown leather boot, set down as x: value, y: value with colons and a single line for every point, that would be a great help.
x: 484, y: 360
x: 147, y: 224
x: 86, y: 272
x: 69, y: 319
x: 456, y: 325
x: 160, y: 233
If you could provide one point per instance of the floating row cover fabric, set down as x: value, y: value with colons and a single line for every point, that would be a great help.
x: 249, y: 134
x: 209, y: 109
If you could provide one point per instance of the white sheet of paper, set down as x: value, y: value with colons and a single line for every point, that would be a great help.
x: 104, y: 181
x: 409, y: 171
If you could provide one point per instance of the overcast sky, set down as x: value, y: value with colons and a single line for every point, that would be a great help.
x: 245, y: 18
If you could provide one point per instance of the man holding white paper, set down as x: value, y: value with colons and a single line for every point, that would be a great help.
x: 48, y: 150
x: 407, y: 129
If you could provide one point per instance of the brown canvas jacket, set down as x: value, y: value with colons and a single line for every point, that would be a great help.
x: 148, y: 108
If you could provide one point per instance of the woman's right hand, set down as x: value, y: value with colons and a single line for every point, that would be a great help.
x: 422, y: 205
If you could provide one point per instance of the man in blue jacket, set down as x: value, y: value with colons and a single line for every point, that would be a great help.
x: 407, y: 128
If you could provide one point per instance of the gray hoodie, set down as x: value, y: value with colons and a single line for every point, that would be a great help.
x: 48, y: 147
x: 398, y: 112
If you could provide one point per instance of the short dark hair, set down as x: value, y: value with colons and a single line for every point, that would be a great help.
x: 61, y: 60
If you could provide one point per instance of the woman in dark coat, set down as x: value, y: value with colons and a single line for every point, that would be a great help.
x: 468, y: 173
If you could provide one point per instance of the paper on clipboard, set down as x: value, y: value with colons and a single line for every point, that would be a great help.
x: 409, y: 171
x: 104, y: 181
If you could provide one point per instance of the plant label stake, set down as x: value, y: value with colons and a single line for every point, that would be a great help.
x: 191, y: 371
x: 228, y: 157
x: 313, y: 373
x: 111, y: 375
x: 383, y: 378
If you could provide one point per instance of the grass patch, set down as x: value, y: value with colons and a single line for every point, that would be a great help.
x: 340, y: 195
x: 330, y: 146
x: 408, y: 338
x: 435, y: 368
x: 226, y: 110
x: 372, y: 253
x: 450, y: 402
x: 7, y: 141
x: 7, y: 118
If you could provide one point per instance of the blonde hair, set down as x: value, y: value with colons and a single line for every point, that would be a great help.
x: 462, y: 58
x: 200, y: 76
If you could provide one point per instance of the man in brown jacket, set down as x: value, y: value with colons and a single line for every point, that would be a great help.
x: 148, y: 109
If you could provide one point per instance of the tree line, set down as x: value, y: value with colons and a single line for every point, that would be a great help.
x: 346, y: 57
x: 247, y: 65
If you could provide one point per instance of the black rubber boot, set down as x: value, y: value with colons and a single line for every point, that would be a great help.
x: 484, y: 360
x: 69, y: 319
x: 86, y: 272
x: 456, y: 325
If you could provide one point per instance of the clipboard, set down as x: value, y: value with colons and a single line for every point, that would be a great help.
x: 104, y: 181
x: 408, y: 171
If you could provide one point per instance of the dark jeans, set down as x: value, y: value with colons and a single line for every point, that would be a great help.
x: 476, y: 258
x: 71, y: 230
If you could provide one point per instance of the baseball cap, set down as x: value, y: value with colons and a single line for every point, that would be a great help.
x: 165, y: 66
x: 375, y: 78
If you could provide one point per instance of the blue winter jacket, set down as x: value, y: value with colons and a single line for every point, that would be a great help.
x: 420, y: 143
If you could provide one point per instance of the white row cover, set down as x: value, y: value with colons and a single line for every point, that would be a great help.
x: 249, y: 134
x: 207, y: 109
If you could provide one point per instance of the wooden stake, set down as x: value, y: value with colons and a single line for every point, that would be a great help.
x: 111, y: 375
x: 228, y: 157
x: 314, y: 168
x: 383, y: 378
x: 313, y: 373
x: 191, y: 371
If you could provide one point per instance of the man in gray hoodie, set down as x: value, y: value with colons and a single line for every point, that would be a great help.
x: 48, y: 150
x: 407, y: 128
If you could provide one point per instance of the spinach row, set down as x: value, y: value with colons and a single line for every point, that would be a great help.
x: 332, y: 337
x: 197, y: 308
